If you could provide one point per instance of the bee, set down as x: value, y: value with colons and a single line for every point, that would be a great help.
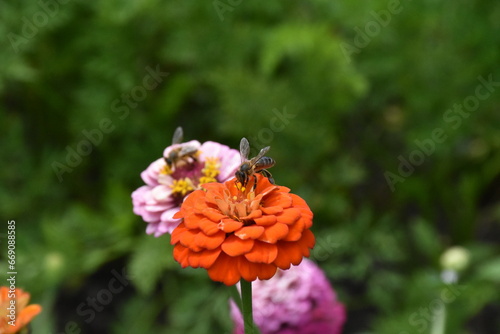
x: 182, y: 153
x: 257, y: 164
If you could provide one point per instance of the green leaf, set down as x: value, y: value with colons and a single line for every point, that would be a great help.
x: 489, y: 271
x: 426, y: 239
x: 149, y: 259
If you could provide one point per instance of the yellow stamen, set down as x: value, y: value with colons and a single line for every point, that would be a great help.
x: 210, y: 171
x: 240, y: 187
x: 182, y: 186
x: 166, y: 170
x: 206, y: 179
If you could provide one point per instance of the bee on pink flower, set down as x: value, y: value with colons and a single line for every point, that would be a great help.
x: 184, y: 167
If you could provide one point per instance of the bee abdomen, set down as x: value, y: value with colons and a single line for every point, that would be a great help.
x: 265, y: 162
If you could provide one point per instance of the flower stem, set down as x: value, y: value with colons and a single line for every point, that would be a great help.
x: 246, y: 298
x: 439, y: 321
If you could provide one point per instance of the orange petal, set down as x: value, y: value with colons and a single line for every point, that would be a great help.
x: 289, y: 216
x: 204, y: 259
x: 255, y: 203
x: 274, y: 233
x: 229, y: 225
x: 198, y: 205
x: 308, y: 240
x: 271, y: 210
x: 187, y: 240
x: 295, y: 231
x: 176, y: 233
x: 288, y: 253
x: 234, y: 246
x: 262, y: 253
x: 254, y: 214
x: 192, y: 220
x: 28, y: 313
x: 266, y: 271
x: 284, y: 189
x: 214, y: 187
x: 263, y: 184
x: 213, y: 214
x: 214, y: 194
x: 179, y: 214
x: 192, y: 198
x: 209, y: 242
x: 299, y: 202
x: 249, y: 232
x: 222, y: 205
x: 293, y: 252
x: 307, y: 216
x: 208, y: 227
x: 230, y: 185
x: 278, y: 199
x: 181, y: 255
x: 22, y: 298
x: 248, y: 270
x: 267, y: 191
x: 225, y: 270
x: 265, y: 220
x: 251, y: 271
x: 4, y: 293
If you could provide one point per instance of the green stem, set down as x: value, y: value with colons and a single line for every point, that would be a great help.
x: 246, y: 298
x: 438, y: 324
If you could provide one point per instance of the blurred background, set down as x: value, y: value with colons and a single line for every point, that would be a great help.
x: 383, y: 115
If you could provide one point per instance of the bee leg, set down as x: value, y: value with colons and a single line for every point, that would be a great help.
x: 267, y: 174
x: 254, y: 182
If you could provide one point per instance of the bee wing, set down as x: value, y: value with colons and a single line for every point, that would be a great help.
x: 187, y: 149
x: 260, y: 155
x: 178, y: 135
x: 244, y: 149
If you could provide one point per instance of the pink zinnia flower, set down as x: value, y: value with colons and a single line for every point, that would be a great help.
x: 166, y: 187
x: 299, y: 300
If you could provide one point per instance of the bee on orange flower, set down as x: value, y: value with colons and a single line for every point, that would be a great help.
x: 257, y: 164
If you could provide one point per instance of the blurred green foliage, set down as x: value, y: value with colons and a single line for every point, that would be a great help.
x: 347, y: 119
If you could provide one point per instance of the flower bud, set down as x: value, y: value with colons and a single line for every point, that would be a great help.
x: 455, y: 258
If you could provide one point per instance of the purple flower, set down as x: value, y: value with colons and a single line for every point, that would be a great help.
x: 167, y: 186
x: 295, y: 301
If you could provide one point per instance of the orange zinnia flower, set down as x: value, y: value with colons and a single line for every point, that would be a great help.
x: 236, y: 232
x: 12, y: 321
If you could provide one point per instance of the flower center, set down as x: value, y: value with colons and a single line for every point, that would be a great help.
x: 182, y: 186
x: 190, y: 177
x: 243, y: 208
x: 165, y: 170
x: 210, y: 171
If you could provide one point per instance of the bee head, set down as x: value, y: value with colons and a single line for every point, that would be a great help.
x: 170, y: 159
x: 241, y: 176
